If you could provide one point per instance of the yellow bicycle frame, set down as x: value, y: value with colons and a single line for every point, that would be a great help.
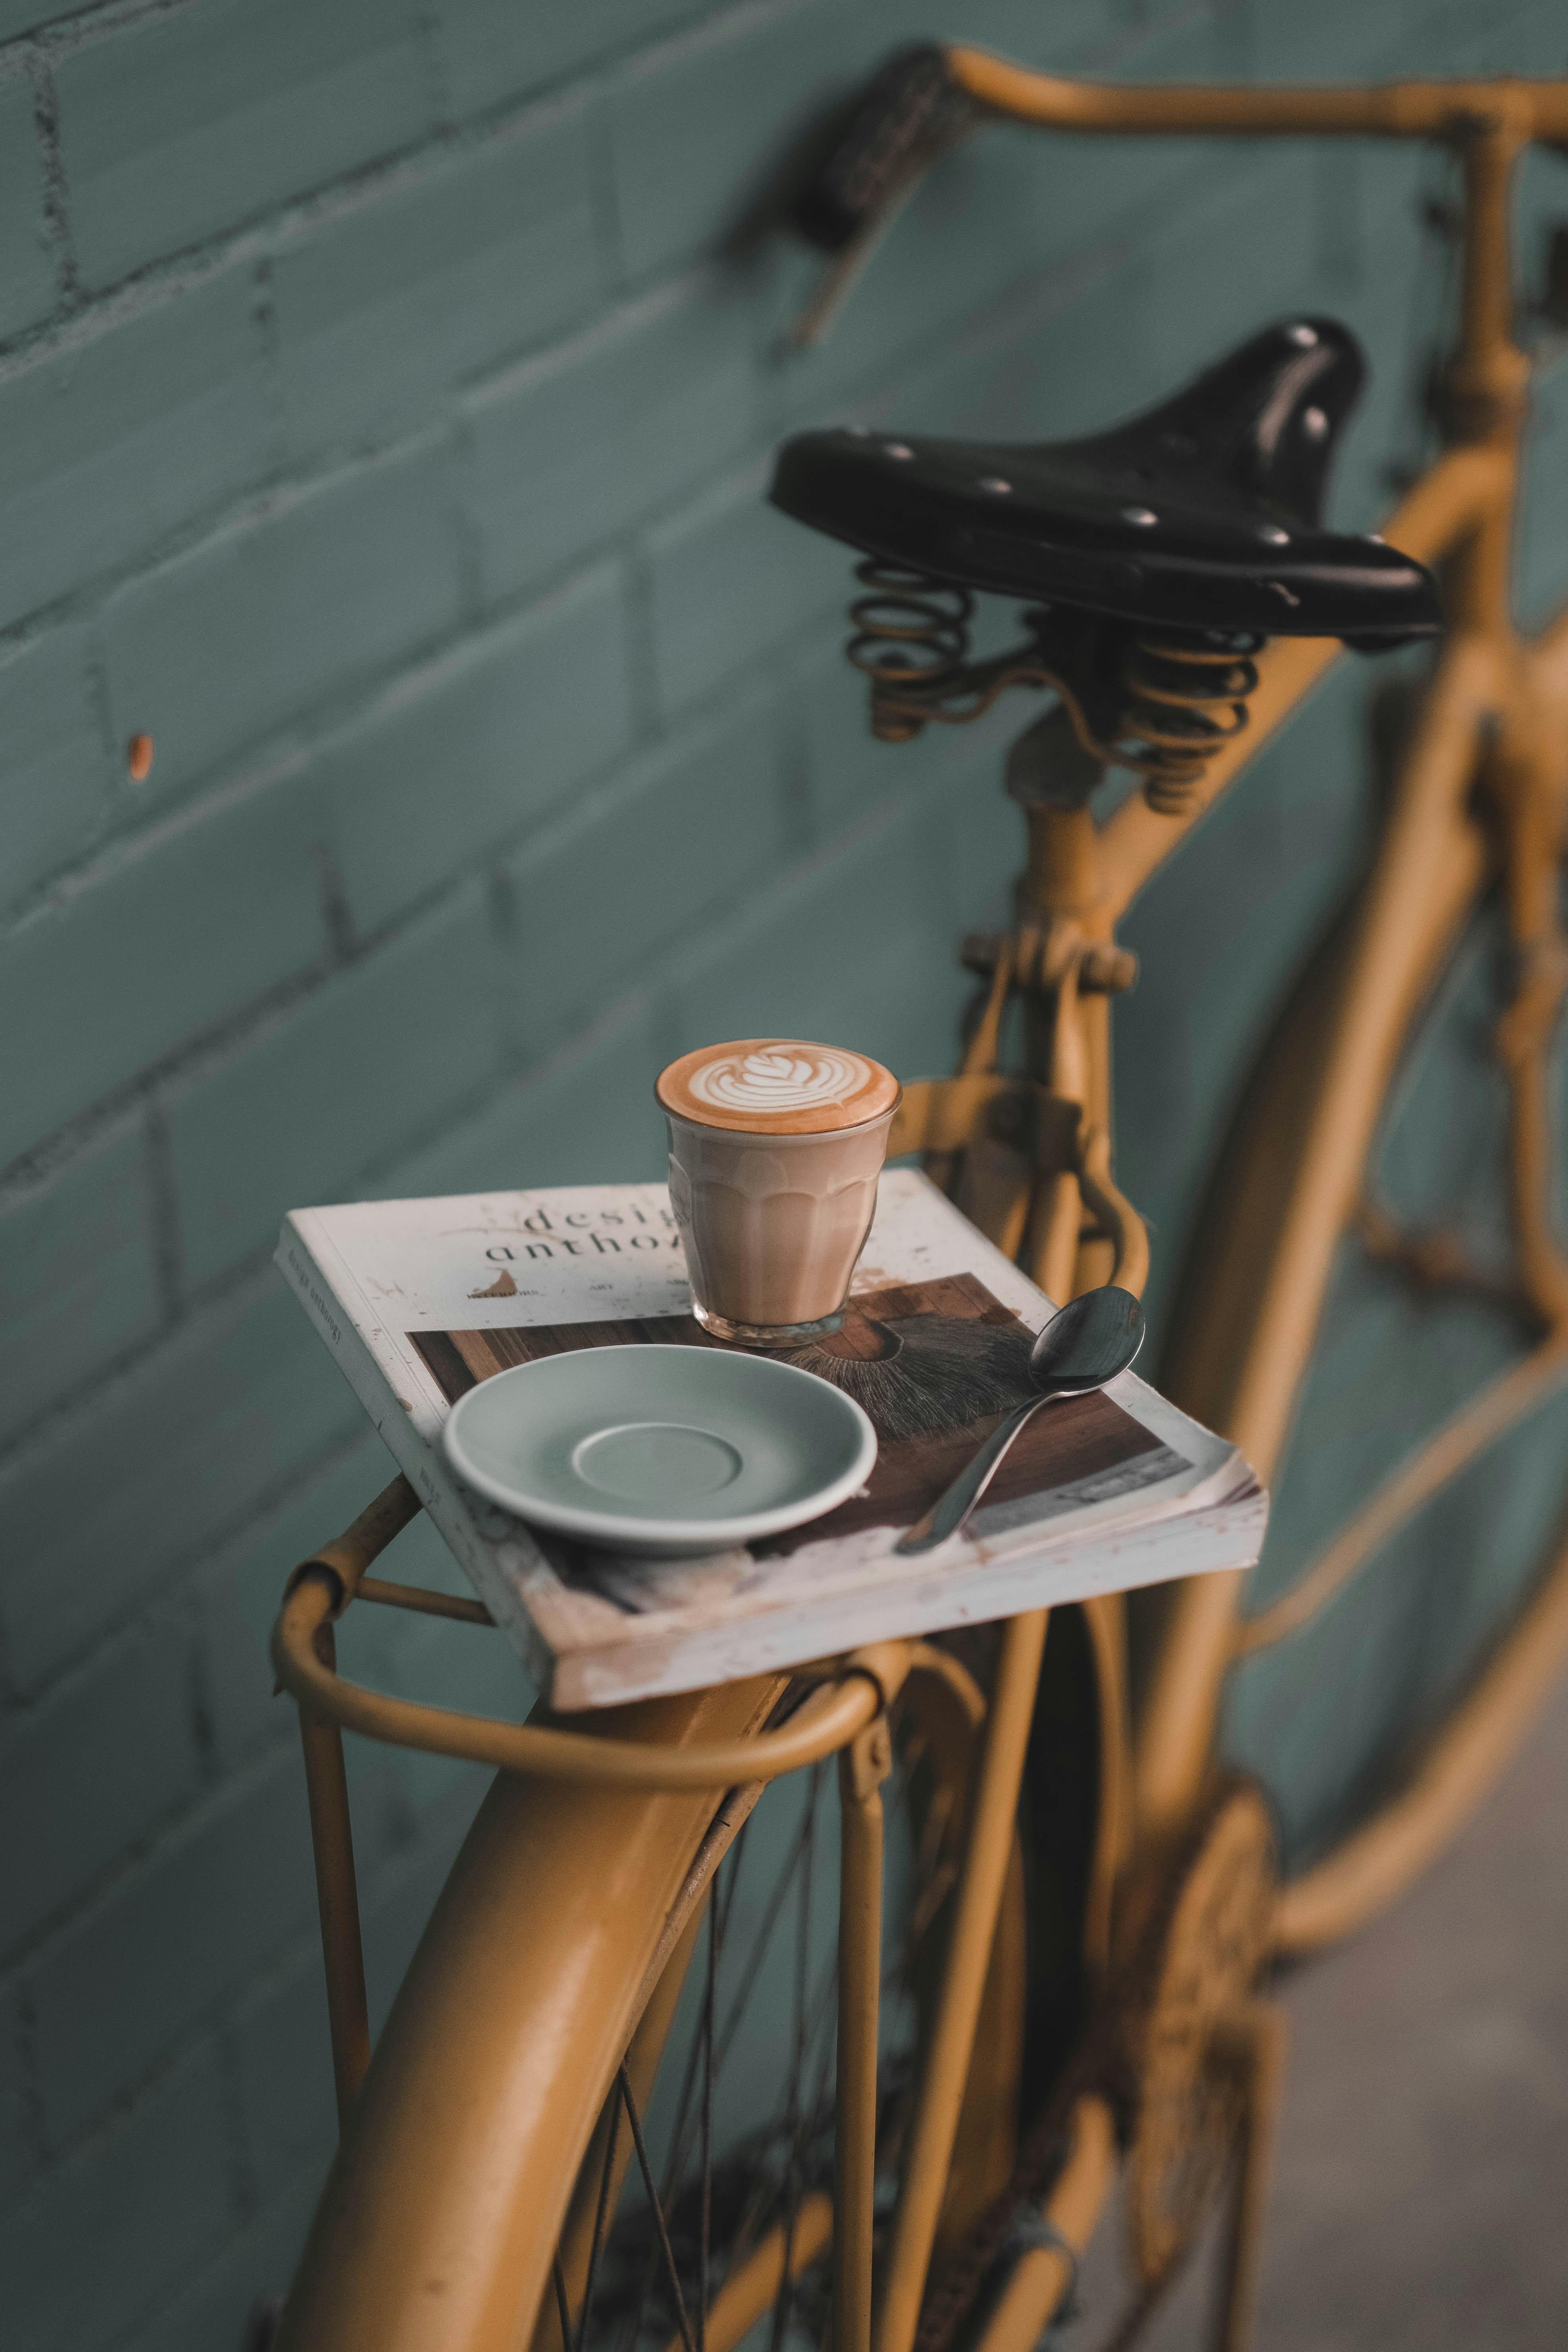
x: 568, y: 1916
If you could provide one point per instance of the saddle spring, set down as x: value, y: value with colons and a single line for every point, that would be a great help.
x: 910, y: 630
x: 1183, y: 699
x: 1160, y: 705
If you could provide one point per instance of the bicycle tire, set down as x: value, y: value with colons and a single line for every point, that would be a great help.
x: 494, y: 2081
x: 442, y: 2205
x: 1418, y: 1592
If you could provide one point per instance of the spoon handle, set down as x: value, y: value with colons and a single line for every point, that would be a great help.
x: 954, y: 1505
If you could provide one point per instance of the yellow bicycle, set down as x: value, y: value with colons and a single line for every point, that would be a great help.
x: 894, y: 2120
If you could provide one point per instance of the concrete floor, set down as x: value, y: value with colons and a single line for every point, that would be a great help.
x: 1421, y: 2175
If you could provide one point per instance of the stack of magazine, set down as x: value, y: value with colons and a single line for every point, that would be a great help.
x: 421, y: 1299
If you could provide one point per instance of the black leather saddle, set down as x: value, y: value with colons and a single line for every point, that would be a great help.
x: 1203, y: 514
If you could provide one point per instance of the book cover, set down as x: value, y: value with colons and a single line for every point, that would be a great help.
x: 422, y: 1300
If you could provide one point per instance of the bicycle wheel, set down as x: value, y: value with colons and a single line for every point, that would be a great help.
x: 603, y: 2109
x: 1378, y: 1620
x: 1423, y: 1311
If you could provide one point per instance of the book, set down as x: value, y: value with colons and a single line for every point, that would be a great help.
x: 421, y: 1299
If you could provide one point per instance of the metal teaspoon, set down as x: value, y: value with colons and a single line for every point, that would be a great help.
x: 1093, y: 1339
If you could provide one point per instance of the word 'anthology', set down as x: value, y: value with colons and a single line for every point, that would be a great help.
x: 602, y: 1232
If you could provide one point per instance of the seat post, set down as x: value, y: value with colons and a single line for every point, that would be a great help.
x: 1053, y: 778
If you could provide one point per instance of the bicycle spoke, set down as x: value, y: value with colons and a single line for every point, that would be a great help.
x: 563, y: 2307
x: 769, y: 1921
x: 662, y: 2270
x: 705, y: 2237
x: 667, y: 2250
x: 601, y: 2210
x: 680, y: 2129
x: 785, y: 2295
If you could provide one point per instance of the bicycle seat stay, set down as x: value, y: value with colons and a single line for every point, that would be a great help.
x: 1200, y: 514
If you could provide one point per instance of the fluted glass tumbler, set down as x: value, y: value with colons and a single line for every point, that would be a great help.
x: 774, y: 1224
x: 775, y: 1146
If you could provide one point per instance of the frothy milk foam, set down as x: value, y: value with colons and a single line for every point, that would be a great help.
x: 776, y: 1145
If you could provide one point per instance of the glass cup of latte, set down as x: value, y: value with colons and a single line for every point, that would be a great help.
x: 775, y: 1146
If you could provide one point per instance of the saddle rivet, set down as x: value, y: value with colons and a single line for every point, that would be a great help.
x: 897, y: 449
x: 1274, y: 535
x: 1304, y: 335
x: 1142, y: 515
x: 1314, y: 424
x: 993, y: 482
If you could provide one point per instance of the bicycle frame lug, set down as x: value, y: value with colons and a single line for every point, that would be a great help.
x: 868, y: 1760
x: 1047, y: 767
x: 886, y: 1663
x: 1104, y: 969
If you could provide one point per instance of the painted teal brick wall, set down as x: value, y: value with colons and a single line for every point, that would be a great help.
x: 385, y: 397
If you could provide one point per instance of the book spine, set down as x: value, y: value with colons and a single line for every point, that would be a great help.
x: 419, y: 1462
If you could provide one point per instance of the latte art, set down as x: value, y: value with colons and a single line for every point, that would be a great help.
x: 777, y: 1085
x: 779, y: 1081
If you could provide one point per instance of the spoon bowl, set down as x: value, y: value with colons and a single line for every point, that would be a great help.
x: 1088, y: 1342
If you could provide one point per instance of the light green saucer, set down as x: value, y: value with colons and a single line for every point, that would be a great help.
x: 666, y: 1451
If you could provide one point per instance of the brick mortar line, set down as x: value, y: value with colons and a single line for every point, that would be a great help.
x: 211, y: 1298
x: 266, y: 759
x: 278, y: 228
x: 243, y: 2190
x: 234, y: 518
x: 696, y: 725
x: 305, y: 731
x: 499, y: 615
x: 274, y: 230
x: 84, y: 28
x: 110, y: 754
x: 888, y: 813
x: 219, y: 1048
x: 116, y: 1370
x: 320, y: 470
x: 58, y: 1149
x: 298, y: 477
x: 1057, y: 283
x: 221, y: 1042
x: 135, y: 1855
x: 336, y: 1435
x: 59, y: 30
x: 394, y: 1868
x: 512, y: 1070
x: 438, y: 90
x: 317, y: 471
x: 130, y: 1860
x: 282, y: 228
x: 34, y: 2131
x: 384, y: 1882
x: 269, y: 338
x: 53, y: 1153
x: 271, y: 232
x: 211, y: 2265
x: 57, y: 194
x: 105, y: 2123
x: 163, y: 1214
